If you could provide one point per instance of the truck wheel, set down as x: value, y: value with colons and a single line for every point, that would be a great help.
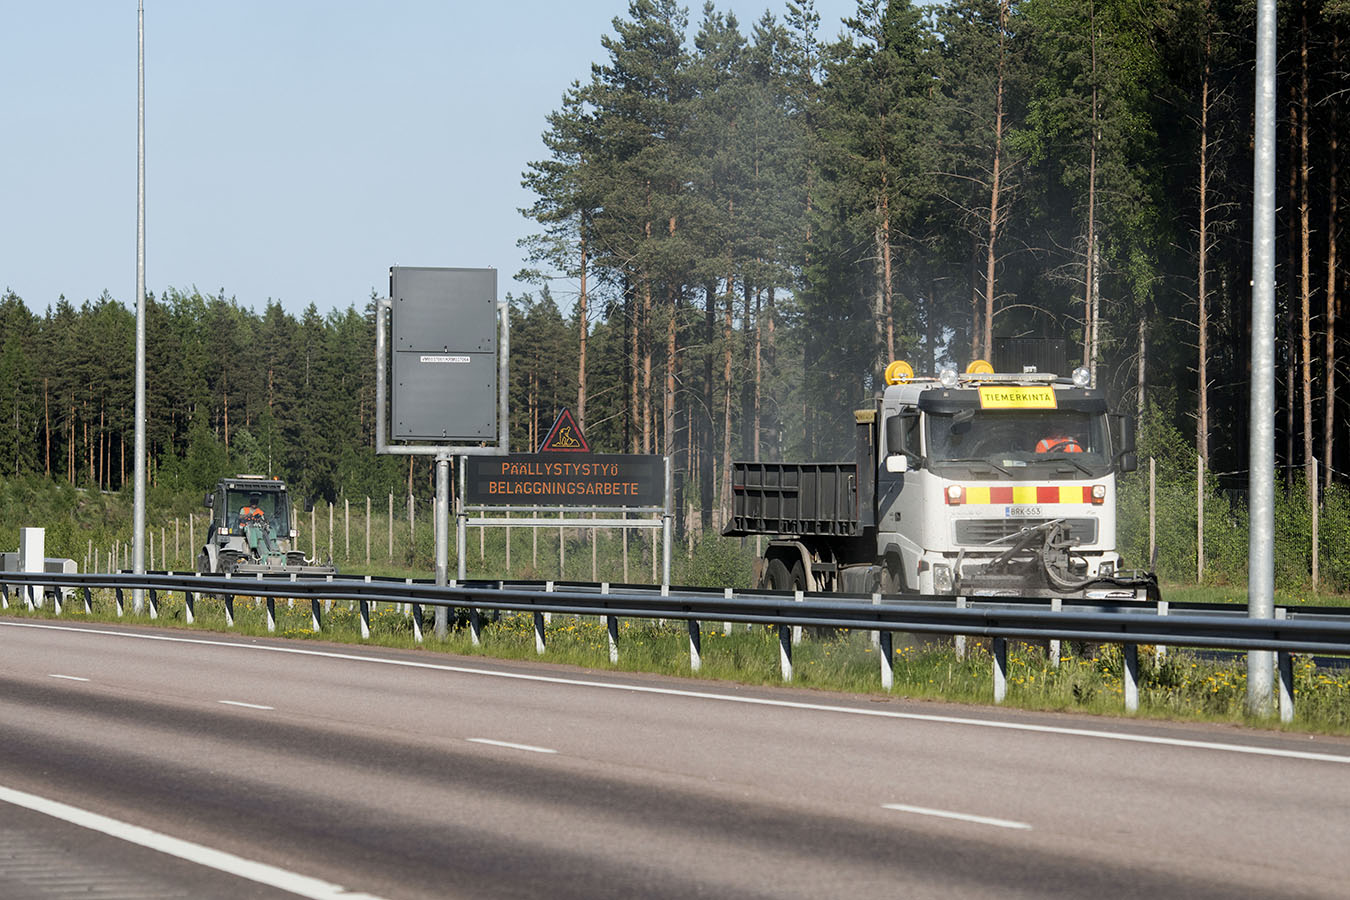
x: 892, y: 579
x: 776, y: 576
x: 798, y: 578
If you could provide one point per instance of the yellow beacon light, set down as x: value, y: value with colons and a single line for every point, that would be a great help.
x: 980, y: 367
x: 899, y: 372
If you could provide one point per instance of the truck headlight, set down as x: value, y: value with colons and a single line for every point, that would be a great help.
x: 942, y: 578
x: 1107, y: 569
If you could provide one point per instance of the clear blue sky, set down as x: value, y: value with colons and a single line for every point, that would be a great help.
x: 295, y: 149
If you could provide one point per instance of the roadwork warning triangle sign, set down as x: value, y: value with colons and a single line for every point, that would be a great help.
x: 565, y: 436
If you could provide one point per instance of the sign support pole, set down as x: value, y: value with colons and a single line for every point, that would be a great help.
x: 442, y: 538
x: 666, y: 520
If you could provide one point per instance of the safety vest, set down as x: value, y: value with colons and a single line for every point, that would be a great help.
x: 1061, y: 444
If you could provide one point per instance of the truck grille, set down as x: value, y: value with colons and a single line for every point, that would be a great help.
x: 982, y: 531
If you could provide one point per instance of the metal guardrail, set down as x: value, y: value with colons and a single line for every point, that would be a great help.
x: 1212, y: 626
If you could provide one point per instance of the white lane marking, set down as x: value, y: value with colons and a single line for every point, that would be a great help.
x: 245, y: 705
x: 725, y: 698
x: 963, y: 817
x: 67, y: 677
x: 509, y: 745
x: 292, y: 882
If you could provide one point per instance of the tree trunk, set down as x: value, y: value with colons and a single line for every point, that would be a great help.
x: 583, y: 328
x: 668, y: 406
x: 705, y: 473
x: 1291, y: 363
x: 724, y: 499
x: 1143, y: 368
x: 1090, y: 274
x: 1202, y: 296
x: 991, y: 256
x: 1329, y: 415
x: 1305, y: 282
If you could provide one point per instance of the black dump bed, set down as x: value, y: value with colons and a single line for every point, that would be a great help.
x: 794, y: 498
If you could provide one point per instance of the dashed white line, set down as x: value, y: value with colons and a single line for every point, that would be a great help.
x: 66, y: 677
x: 245, y: 705
x: 509, y: 745
x: 962, y: 817
x: 1156, y: 740
x: 292, y: 882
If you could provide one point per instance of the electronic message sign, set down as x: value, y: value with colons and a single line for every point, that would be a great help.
x: 566, y: 479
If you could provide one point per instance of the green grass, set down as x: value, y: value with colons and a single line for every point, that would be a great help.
x: 1179, y: 686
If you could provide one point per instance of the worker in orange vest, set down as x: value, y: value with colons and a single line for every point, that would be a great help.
x: 1058, y: 444
x: 252, y: 513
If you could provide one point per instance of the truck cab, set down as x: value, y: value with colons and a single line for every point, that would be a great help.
x: 1002, y: 484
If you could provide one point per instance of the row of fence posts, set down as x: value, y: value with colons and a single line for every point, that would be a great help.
x: 118, y: 555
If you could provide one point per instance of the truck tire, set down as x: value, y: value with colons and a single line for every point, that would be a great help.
x: 892, y: 578
x: 777, y: 577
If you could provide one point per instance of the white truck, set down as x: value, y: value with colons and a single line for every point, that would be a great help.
x: 970, y: 484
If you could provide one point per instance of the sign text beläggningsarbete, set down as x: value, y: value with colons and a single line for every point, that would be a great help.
x: 549, y: 479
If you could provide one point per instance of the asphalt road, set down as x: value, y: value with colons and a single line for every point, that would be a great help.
x: 410, y: 774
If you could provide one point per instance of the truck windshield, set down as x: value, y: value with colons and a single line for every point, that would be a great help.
x: 997, y: 440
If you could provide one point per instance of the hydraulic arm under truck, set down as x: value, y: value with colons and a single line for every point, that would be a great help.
x: 970, y: 484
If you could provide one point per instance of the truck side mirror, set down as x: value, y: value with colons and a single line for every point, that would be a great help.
x: 210, y: 501
x: 1127, y: 460
x: 898, y: 452
x: 309, y: 504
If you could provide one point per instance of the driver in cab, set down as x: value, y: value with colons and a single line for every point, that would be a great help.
x: 251, y: 513
x: 1058, y: 444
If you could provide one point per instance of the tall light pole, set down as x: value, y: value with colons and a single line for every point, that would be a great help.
x: 138, y: 519
x: 1261, y: 449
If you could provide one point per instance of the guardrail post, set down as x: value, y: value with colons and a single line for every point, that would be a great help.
x: 1000, y: 651
x: 959, y: 641
x: 1131, y: 673
x: 886, y: 639
x: 121, y: 605
x: 548, y: 588
x: 229, y: 609
x: 154, y: 604
x: 612, y: 627
x: 796, y: 629
x: 365, y: 619
x: 695, y: 646
x: 539, y: 643
x: 1052, y: 649
x: 189, y: 613
x: 315, y: 621
x: 727, y: 594
x: 1285, y: 667
x: 876, y: 634
x: 417, y: 622
x: 271, y: 613
x: 88, y: 601
x: 56, y: 600
x: 475, y: 620
x: 1162, y: 611
x: 4, y: 596
x: 785, y: 651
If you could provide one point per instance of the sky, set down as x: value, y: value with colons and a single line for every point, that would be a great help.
x: 295, y: 149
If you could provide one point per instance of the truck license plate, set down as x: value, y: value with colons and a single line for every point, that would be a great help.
x: 1020, y: 512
